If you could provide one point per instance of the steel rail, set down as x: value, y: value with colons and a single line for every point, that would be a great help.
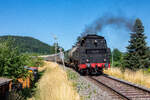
x: 128, y: 83
x: 120, y: 94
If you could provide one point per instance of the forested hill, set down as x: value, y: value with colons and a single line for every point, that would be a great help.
x: 29, y: 44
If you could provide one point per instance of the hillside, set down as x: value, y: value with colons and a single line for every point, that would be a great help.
x: 29, y: 44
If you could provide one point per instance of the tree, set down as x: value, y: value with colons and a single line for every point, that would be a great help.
x: 117, y: 58
x: 12, y: 62
x: 52, y: 49
x: 116, y: 55
x: 137, y: 57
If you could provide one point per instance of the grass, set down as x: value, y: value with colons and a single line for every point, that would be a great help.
x: 138, y: 77
x: 54, y: 85
x: 71, y: 75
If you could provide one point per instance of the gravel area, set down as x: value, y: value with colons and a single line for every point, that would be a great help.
x: 90, y: 91
x: 86, y: 89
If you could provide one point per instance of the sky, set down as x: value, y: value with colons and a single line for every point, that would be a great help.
x: 66, y: 19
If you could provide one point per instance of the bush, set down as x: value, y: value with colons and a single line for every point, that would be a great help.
x: 12, y: 62
x: 117, y: 64
x: 35, y: 61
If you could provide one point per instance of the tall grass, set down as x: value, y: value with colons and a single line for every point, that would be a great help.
x: 54, y: 85
x: 137, y: 77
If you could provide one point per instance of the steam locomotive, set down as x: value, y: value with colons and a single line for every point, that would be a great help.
x: 90, y: 55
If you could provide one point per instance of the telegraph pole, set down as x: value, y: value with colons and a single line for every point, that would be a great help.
x: 112, y: 58
x: 55, y: 49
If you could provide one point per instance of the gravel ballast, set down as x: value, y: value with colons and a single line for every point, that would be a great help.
x: 86, y: 89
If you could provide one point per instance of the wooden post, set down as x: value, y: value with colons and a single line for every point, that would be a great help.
x: 28, y: 83
x: 10, y: 85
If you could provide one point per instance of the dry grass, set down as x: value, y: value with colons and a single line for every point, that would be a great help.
x: 54, y: 85
x: 137, y: 77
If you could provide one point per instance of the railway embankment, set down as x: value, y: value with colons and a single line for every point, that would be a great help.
x: 54, y: 85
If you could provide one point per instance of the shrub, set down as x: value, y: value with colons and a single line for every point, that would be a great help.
x: 35, y: 61
x: 12, y: 62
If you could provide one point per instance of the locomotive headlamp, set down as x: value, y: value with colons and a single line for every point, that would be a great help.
x: 95, y: 43
x: 87, y: 60
x: 104, y: 59
x: 87, y: 63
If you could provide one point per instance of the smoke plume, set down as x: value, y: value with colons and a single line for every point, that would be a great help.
x: 108, y: 19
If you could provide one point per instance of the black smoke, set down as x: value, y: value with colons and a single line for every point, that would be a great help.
x: 117, y: 22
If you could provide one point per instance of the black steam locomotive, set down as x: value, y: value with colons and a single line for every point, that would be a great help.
x: 90, y: 55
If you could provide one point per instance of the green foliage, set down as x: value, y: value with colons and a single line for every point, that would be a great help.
x: 34, y: 61
x: 117, y: 64
x: 137, y: 56
x: 72, y: 75
x: 12, y: 62
x: 117, y: 58
x: 25, y: 93
x: 117, y: 55
x: 148, y: 70
x: 53, y: 48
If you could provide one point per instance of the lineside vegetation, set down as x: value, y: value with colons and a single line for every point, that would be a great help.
x: 12, y: 62
x: 136, y: 77
x: 138, y: 53
x: 54, y: 85
x: 133, y: 65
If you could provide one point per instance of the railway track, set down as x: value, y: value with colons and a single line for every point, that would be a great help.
x: 120, y: 90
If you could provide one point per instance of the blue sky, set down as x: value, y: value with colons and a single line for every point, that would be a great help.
x: 67, y: 19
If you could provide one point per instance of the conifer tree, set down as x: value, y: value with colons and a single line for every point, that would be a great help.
x: 137, y: 51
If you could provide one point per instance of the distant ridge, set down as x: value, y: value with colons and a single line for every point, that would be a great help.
x: 27, y: 44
